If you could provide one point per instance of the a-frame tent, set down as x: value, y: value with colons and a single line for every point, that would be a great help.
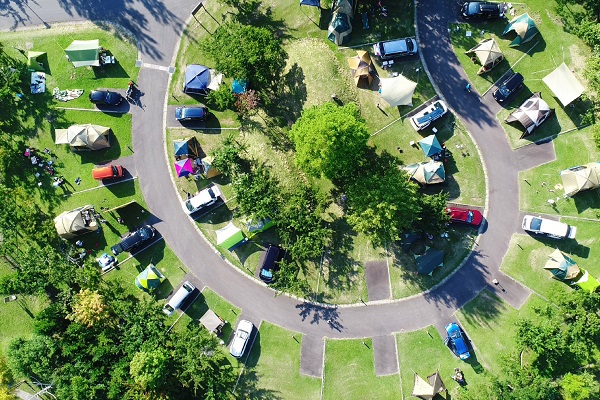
x: 428, y: 389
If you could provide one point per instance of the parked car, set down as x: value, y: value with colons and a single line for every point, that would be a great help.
x: 106, y: 261
x: 107, y: 172
x: 482, y: 10
x: 456, y: 341
x: 178, y: 298
x: 241, y: 338
x: 134, y: 239
x: 509, y: 87
x: 269, y: 262
x: 198, y: 113
x: 105, y: 97
x: 396, y: 48
x: 203, y: 198
x: 426, y: 116
x: 548, y: 227
x: 465, y: 216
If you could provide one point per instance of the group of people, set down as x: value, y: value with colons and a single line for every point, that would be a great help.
x: 458, y: 376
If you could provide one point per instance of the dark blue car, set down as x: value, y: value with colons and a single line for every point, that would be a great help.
x: 456, y: 341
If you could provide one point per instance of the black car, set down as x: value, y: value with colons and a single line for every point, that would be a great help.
x: 269, y: 262
x: 510, y: 86
x: 482, y: 10
x: 133, y: 239
x: 191, y: 113
x: 105, y: 97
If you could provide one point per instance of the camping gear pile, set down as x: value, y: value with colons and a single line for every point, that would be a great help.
x: 66, y: 95
x: 191, y: 160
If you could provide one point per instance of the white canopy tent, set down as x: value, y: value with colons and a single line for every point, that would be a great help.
x: 397, y: 91
x: 564, y: 84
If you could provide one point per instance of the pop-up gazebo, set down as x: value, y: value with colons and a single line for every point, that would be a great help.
x: 488, y: 53
x: 524, y: 27
x: 84, y: 137
x: 83, y: 53
x: 430, y: 146
x: 397, y: 91
x: 580, y: 178
x: 230, y: 237
x: 561, y: 266
x: 149, y: 279
x: 361, y: 68
x: 564, y: 84
x: 184, y: 167
x: 189, y: 147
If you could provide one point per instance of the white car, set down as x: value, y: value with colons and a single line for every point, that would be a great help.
x: 202, y: 199
x: 240, y: 340
x: 547, y: 227
x: 426, y: 116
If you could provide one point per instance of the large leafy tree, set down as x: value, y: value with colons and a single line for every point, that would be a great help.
x: 257, y: 193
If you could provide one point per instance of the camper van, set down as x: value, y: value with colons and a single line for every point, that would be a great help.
x: 178, y: 298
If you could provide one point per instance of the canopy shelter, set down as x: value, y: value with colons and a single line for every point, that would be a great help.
x: 587, y: 282
x: 230, y: 237
x: 83, y: 53
x: 340, y: 26
x: 580, y: 178
x: 256, y: 226
x: 184, y: 167
x: 561, y: 266
x: 149, y: 279
x: 427, y: 389
x: 397, y: 91
x: 37, y: 60
x: 361, y: 68
x: 238, y: 86
x: 564, y: 84
x: 212, y: 322
x: 189, y: 147
x: 531, y: 114
x: 427, y: 173
x: 407, y: 239
x: 76, y: 222
x: 200, y: 80
x: 209, y: 170
x: 524, y: 27
x: 431, y: 146
x: 84, y: 137
x: 487, y: 53
x: 314, y: 3
x: 429, y: 261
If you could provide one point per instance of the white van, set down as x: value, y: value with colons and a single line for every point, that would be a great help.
x: 178, y: 298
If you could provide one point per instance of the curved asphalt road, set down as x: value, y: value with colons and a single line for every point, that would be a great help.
x: 158, y: 25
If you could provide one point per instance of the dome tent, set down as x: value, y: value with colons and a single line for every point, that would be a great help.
x: 427, y: 173
x: 361, y: 68
x: 488, y: 53
x: 524, y: 27
x: 561, y: 266
x: 531, y: 114
x: 84, y: 137
x: 340, y: 26
x: 149, y: 279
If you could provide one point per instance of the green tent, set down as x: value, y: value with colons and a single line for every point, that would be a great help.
x: 524, y: 27
x: 230, y: 237
x: 37, y: 60
x: 256, y: 226
x: 561, y: 266
x: 83, y: 53
x: 149, y: 279
x: 587, y: 282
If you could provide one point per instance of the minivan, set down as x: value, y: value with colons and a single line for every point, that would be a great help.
x: 133, y: 239
x: 107, y: 172
x: 510, y: 86
x: 269, y: 262
x: 395, y: 48
x: 183, y: 114
x: 482, y: 10
x: 178, y: 298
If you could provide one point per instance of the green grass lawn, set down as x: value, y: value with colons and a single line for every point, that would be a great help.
x: 350, y: 372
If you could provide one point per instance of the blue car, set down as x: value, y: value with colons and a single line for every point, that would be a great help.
x: 456, y: 341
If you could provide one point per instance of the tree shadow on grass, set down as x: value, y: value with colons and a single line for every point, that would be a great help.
x: 248, y: 388
x: 291, y: 96
x: 484, y: 309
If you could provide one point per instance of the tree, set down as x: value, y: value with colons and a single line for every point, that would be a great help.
x: 149, y: 369
x: 330, y: 140
x: 89, y: 309
x: 433, y: 217
x: 228, y: 159
x: 257, y: 193
x: 579, y: 386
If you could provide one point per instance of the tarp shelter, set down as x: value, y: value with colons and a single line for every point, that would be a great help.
x: 430, y: 146
x: 256, y: 226
x: 314, y: 3
x: 340, y: 26
x: 564, y: 84
x: 487, y: 53
x: 397, y: 91
x: 83, y: 53
x: 37, y: 61
x: 587, y: 282
x: 427, y: 173
x: 561, y: 266
x: 430, y: 261
x: 361, y: 68
x: 524, y: 27
x: 238, y: 86
x: 427, y: 389
x: 187, y: 147
x: 580, y: 178
x: 208, y: 170
x: 531, y: 113
x: 184, y: 167
x: 76, y: 222
x: 149, y: 279
x: 200, y: 80
x: 230, y: 237
x: 407, y: 239
x: 84, y: 137
x: 212, y: 322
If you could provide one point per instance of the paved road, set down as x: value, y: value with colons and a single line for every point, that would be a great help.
x: 157, y: 26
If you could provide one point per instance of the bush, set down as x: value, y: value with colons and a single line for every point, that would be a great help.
x: 596, y: 131
x: 221, y: 99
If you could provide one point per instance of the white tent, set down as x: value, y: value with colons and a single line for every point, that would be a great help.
x: 583, y: 177
x: 397, y: 91
x: 427, y: 389
x: 564, y: 84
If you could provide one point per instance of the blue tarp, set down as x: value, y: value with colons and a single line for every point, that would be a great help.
x: 238, y: 86
x: 315, y: 3
x: 197, y: 79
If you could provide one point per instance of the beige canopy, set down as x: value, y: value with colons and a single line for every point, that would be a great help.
x: 80, y: 137
x: 564, y: 84
x: 488, y: 53
x: 427, y: 389
x: 361, y: 67
x: 76, y: 222
x: 397, y: 91
x: 583, y: 177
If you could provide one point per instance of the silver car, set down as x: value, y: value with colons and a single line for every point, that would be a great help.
x: 241, y: 338
x: 548, y: 227
x: 203, y: 198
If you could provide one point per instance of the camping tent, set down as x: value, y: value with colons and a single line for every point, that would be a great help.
x: 524, y: 27
x: 187, y: 147
x: 587, y: 282
x: 208, y: 170
x: 184, y: 167
x: 531, y: 113
x: 256, y: 226
x: 83, y: 53
x: 84, y: 137
x: 230, y: 237
x: 564, y: 84
x: 197, y: 79
x: 431, y: 146
x: 580, y: 178
x: 488, y: 53
x: 314, y: 3
x: 427, y: 173
x: 76, y: 222
x: 149, y: 279
x: 427, y: 389
x: 397, y: 91
x: 361, y: 67
x: 561, y: 266
x: 340, y: 26
x: 429, y: 261
x: 37, y: 61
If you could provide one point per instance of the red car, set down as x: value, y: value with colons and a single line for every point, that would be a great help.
x: 464, y: 216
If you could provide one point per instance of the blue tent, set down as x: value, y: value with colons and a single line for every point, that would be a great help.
x: 238, y: 86
x: 431, y: 146
x: 315, y: 3
x: 187, y: 147
x: 197, y: 79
